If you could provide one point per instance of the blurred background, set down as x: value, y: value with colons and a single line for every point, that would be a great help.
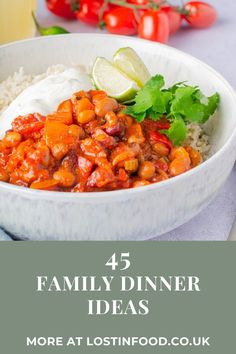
x: 214, y: 45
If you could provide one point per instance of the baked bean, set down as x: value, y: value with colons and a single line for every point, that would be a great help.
x: 128, y: 121
x: 131, y: 165
x: 135, y: 134
x: 179, y: 166
x: 44, y: 155
x: 140, y: 183
x: 161, y: 149
x: 64, y: 178
x: 86, y: 116
x: 76, y: 131
x: 178, y: 152
x: 78, y: 95
x: 84, y: 104
x: 12, y: 139
x: 194, y: 155
x: 100, y: 95
x: 105, y: 105
x: 59, y: 150
x: 146, y: 170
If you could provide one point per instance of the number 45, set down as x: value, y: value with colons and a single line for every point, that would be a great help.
x: 114, y: 263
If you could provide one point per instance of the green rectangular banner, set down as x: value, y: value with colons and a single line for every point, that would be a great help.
x: 117, y: 297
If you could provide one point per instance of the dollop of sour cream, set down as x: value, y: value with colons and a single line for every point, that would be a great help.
x: 45, y: 96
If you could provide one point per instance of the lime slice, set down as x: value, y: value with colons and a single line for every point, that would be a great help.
x: 128, y: 61
x: 110, y: 79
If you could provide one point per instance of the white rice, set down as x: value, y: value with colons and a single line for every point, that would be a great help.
x: 19, y: 81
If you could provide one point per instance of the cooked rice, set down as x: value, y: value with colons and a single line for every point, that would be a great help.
x: 19, y: 81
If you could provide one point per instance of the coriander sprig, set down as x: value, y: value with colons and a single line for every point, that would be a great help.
x: 180, y: 103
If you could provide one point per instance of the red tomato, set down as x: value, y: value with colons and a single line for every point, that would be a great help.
x: 174, y: 17
x: 89, y: 11
x: 62, y: 8
x: 121, y: 20
x: 200, y: 14
x: 138, y: 2
x: 154, y: 25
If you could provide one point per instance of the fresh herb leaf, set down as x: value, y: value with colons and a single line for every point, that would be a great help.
x: 210, y: 108
x: 181, y: 104
x: 177, y: 132
x: 138, y: 116
x: 147, y: 96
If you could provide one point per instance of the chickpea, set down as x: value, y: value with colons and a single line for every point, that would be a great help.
x: 45, y: 155
x: 161, y: 149
x: 84, y: 104
x: 78, y: 95
x: 98, y: 97
x: 105, y: 105
x: 140, y: 183
x: 127, y: 120
x: 97, y: 92
x: 131, y: 165
x: 135, y: 134
x: 76, y: 131
x: 12, y: 139
x: 146, y: 170
x: 59, y: 150
x: 179, y: 166
x: 178, y: 152
x: 4, y: 177
x: 86, y: 116
x: 64, y: 178
x: 194, y: 155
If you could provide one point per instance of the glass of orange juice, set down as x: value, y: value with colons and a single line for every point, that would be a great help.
x: 16, y: 20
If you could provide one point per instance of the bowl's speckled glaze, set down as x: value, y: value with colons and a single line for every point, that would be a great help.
x: 134, y: 214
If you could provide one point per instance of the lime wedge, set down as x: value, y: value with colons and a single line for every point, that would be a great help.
x: 110, y: 79
x: 128, y: 61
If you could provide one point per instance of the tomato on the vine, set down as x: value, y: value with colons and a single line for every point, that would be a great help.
x: 138, y: 2
x: 174, y: 17
x: 62, y: 8
x: 89, y: 11
x: 154, y: 25
x: 200, y: 14
x: 121, y: 20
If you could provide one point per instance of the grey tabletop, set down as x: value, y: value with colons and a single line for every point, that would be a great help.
x: 217, y: 47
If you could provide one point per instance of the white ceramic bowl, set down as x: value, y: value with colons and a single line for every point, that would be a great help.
x: 134, y: 214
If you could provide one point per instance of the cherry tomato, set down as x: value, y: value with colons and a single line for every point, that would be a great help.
x: 121, y: 20
x: 61, y: 8
x: 138, y: 2
x: 200, y: 14
x: 154, y: 25
x: 89, y: 11
x: 174, y: 17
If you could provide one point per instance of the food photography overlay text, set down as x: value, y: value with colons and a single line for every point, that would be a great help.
x: 117, y: 297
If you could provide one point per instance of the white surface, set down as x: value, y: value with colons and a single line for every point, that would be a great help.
x: 129, y: 214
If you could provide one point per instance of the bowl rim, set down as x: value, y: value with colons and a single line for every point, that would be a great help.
x: 49, y: 195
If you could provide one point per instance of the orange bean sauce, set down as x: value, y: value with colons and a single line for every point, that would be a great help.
x: 89, y: 145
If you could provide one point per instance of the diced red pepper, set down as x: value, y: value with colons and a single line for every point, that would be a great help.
x: 161, y: 138
x: 28, y: 124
